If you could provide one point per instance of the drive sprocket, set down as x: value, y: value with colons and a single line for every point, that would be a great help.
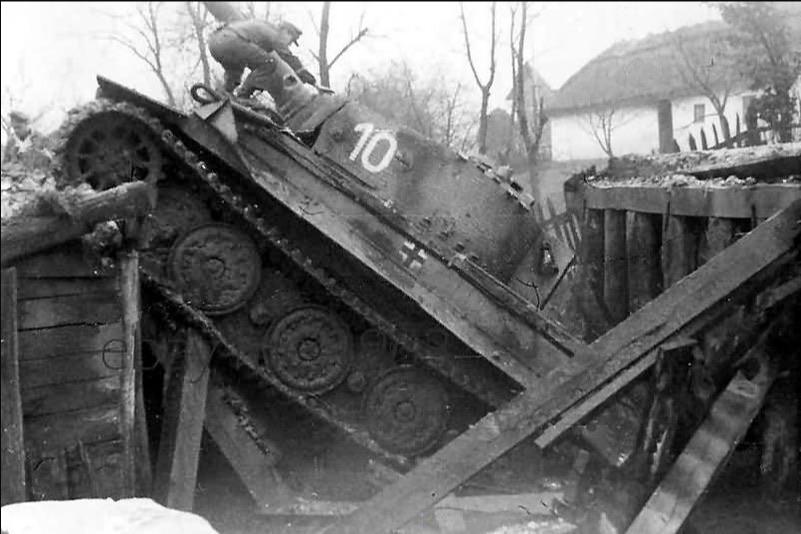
x: 110, y: 148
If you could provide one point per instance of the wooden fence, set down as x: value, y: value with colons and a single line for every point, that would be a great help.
x: 739, y: 139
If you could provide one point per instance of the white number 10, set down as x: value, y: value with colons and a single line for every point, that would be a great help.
x: 369, y: 142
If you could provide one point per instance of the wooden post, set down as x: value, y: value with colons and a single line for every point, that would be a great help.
x: 143, y: 483
x: 643, y: 243
x: 615, y: 264
x: 13, y: 447
x: 131, y: 312
x: 592, y: 274
x: 184, y: 413
x: 679, y: 249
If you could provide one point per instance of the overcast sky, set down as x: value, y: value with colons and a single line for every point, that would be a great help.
x: 52, y: 50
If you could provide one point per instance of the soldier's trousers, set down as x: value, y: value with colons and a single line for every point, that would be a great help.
x: 235, y: 53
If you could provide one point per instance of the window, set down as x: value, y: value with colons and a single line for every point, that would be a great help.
x: 698, y: 113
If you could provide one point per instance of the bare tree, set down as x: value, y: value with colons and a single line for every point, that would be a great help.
x: 323, y: 30
x: 484, y: 87
x: 602, y: 122
x: 709, y: 70
x: 149, y: 45
x: 199, y: 17
x: 428, y: 106
x: 531, y: 119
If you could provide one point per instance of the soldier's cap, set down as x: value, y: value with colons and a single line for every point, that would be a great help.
x: 292, y: 29
x: 18, y: 116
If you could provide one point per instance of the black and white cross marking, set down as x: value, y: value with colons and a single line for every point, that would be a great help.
x: 412, y: 255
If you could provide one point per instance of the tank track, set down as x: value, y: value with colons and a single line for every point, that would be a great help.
x: 201, y: 172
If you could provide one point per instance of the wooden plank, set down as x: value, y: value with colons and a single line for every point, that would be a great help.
x: 591, y: 277
x: 48, y: 476
x: 13, y: 449
x: 735, y: 202
x: 726, y: 277
x: 643, y: 246
x: 254, y: 467
x: 71, y: 340
x: 74, y: 368
x: 705, y: 455
x: 615, y: 265
x: 679, y: 249
x: 60, y: 311
x: 62, y: 261
x: 103, y: 470
x: 35, y: 288
x: 130, y: 301
x: 62, y: 398
x: 57, y: 431
x: 182, y: 426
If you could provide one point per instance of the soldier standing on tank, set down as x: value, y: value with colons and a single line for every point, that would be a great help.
x: 248, y: 43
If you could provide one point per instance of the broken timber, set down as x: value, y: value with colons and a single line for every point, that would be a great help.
x: 732, y: 413
x: 581, y: 385
x: 25, y: 235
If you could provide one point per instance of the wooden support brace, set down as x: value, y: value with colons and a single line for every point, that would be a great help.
x: 615, y: 265
x: 131, y: 313
x: 253, y: 465
x: 13, y: 446
x: 580, y: 386
x: 643, y: 243
x: 705, y: 455
x: 176, y: 472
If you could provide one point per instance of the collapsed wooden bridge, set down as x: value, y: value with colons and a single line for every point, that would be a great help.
x: 728, y: 256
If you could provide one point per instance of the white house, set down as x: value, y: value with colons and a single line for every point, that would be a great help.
x: 646, y: 96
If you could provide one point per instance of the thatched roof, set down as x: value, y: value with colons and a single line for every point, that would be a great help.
x: 650, y: 69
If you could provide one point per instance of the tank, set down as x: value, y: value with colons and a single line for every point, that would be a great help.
x: 348, y: 271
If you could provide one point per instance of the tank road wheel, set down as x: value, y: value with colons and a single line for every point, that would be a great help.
x: 217, y: 267
x: 109, y: 149
x: 309, y: 349
x: 407, y: 410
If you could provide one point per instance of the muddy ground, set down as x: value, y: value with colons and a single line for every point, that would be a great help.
x: 736, y: 504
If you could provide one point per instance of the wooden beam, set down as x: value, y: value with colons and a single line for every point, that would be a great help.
x: 707, y: 452
x: 13, y: 445
x: 131, y: 313
x: 615, y: 265
x: 679, y: 249
x: 581, y: 382
x: 591, y: 275
x: 184, y: 414
x: 254, y: 466
x: 643, y: 244
x: 25, y: 235
x: 694, y: 200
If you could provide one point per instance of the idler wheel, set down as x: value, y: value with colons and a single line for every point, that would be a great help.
x: 109, y: 149
x: 217, y: 267
x: 407, y: 410
x: 309, y: 349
